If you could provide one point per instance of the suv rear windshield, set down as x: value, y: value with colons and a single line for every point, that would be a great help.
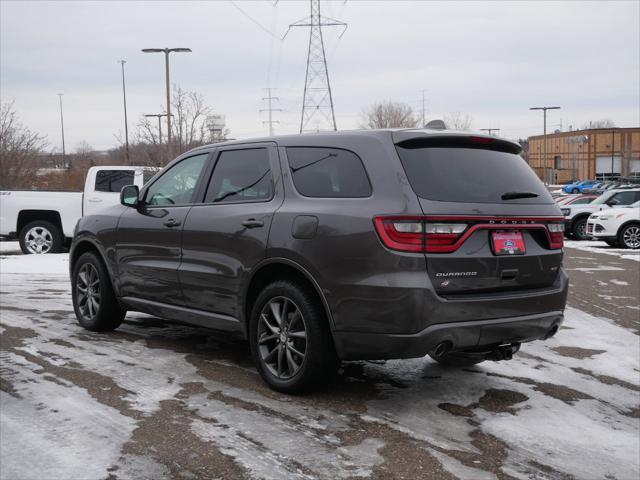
x: 471, y: 175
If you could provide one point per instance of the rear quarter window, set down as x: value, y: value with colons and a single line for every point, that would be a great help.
x: 470, y: 175
x: 113, y: 180
x: 328, y: 173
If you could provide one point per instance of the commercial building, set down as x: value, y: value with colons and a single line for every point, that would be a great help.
x: 603, y: 153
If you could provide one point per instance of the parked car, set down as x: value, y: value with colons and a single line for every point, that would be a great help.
x: 335, y: 246
x: 619, y: 227
x: 43, y: 221
x: 578, y: 187
x: 576, y: 216
x: 576, y: 199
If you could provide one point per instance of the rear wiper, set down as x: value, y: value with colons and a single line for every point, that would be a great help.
x: 514, y: 195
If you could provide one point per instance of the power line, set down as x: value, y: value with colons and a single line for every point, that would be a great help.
x: 251, y: 19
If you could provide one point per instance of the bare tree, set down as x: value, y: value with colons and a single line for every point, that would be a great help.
x: 602, y: 123
x: 458, y: 121
x: 388, y: 115
x: 19, y: 149
x: 190, y: 128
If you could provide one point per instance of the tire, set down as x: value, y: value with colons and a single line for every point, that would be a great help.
x: 98, y: 310
x: 579, y: 229
x: 612, y: 243
x: 575, y: 190
x: 40, y: 236
x: 304, y: 346
x: 629, y: 236
x: 453, y: 360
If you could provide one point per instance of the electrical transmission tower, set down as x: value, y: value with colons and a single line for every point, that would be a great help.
x: 317, y: 103
x: 269, y: 98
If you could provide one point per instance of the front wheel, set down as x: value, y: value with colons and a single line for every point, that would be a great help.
x: 94, y: 301
x: 290, y: 339
x: 575, y: 190
x: 39, y: 237
x: 580, y: 229
x: 629, y: 236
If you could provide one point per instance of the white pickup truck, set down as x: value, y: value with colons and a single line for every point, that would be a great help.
x: 43, y: 221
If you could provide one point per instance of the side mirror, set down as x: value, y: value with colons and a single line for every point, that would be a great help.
x: 129, y: 195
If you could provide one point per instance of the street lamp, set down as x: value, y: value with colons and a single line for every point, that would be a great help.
x: 166, y: 52
x: 544, y: 111
x: 126, y: 128
x: 64, y: 152
x: 159, y: 116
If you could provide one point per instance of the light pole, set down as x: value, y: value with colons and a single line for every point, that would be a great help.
x: 544, y: 111
x: 64, y: 152
x: 159, y: 116
x: 490, y: 130
x: 166, y: 52
x: 126, y: 127
x: 613, y: 140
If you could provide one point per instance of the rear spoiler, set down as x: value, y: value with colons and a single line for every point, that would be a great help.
x: 425, y: 138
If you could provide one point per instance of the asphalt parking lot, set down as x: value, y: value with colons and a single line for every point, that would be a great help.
x: 154, y: 400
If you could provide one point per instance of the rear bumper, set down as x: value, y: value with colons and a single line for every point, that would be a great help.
x: 462, y: 335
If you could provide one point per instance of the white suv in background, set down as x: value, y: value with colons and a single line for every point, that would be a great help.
x: 575, y: 217
x: 619, y: 227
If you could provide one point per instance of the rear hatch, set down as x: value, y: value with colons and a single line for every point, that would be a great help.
x: 488, y: 224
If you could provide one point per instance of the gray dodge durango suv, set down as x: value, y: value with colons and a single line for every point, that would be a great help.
x: 335, y: 246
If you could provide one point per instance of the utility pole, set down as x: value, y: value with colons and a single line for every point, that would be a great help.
x: 270, y: 109
x: 64, y: 151
x: 317, y: 101
x: 423, y: 111
x: 166, y: 52
x: 544, y: 111
x: 158, y: 116
x: 126, y: 127
x: 490, y: 130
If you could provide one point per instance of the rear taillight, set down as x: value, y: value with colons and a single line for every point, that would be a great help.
x: 405, y: 234
x: 427, y: 234
x: 556, y: 235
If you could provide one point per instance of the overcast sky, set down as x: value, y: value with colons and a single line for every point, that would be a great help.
x: 491, y: 60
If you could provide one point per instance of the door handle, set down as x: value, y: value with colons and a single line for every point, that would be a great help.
x: 95, y: 200
x: 171, y: 223
x: 253, y: 223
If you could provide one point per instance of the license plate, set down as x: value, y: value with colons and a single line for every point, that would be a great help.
x: 508, y: 242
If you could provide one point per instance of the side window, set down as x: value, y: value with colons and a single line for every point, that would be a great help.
x: 113, y: 180
x: 241, y: 176
x: 623, y: 198
x: 328, y: 172
x: 176, y: 186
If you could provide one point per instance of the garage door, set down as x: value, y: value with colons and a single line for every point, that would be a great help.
x: 603, y: 164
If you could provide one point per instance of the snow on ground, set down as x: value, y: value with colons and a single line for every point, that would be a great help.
x: 601, y: 247
x: 78, y: 404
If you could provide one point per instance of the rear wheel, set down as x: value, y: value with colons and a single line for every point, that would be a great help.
x: 290, y: 339
x: 40, y: 236
x: 629, y: 236
x: 579, y: 229
x: 94, y: 302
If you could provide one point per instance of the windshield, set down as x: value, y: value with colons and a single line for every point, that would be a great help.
x: 471, y: 175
